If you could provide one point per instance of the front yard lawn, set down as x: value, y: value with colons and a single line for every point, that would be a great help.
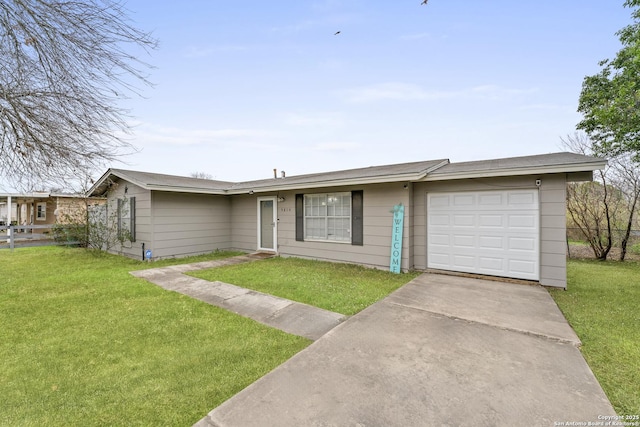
x: 602, y: 304
x: 82, y: 343
x: 342, y: 288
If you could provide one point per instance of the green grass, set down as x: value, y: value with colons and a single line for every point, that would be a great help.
x: 84, y: 343
x: 602, y: 304
x: 342, y: 288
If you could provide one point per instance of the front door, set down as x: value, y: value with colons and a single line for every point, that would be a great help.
x: 267, y: 224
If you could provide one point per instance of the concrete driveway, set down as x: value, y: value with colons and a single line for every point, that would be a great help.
x: 441, y: 350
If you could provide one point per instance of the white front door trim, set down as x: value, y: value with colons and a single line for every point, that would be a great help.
x: 267, y: 224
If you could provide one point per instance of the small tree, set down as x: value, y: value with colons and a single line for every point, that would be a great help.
x: 626, y: 176
x: 589, y: 204
x: 593, y: 207
x: 601, y: 208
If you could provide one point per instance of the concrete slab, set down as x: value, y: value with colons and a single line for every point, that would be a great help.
x: 305, y: 321
x: 256, y: 305
x: 290, y: 316
x: 401, y: 363
x: 524, y: 308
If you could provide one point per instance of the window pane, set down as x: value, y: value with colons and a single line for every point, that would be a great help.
x: 327, y: 216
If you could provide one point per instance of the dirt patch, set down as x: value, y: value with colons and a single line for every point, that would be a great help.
x: 585, y: 252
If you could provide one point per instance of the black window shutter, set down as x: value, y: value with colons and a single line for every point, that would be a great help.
x: 132, y: 218
x: 356, y: 218
x: 300, y: 217
x: 119, y: 227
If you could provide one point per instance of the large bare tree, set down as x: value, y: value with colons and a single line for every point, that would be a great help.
x: 64, y: 67
x: 604, y: 210
x: 626, y: 177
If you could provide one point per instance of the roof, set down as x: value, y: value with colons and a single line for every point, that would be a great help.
x: 374, y: 174
x: 39, y: 195
x: 371, y: 175
x: 430, y: 170
x: 528, y: 165
x: 156, y: 181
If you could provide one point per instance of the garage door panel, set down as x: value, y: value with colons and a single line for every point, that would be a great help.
x: 522, y: 243
x: 488, y: 220
x: 440, y: 260
x: 527, y: 221
x: 523, y: 267
x: 491, y: 199
x: 439, y: 201
x: 494, y: 265
x: 486, y: 232
x: 440, y: 239
x: 463, y: 200
x: 464, y: 241
x: 464, y: 220
x: 438, y: 220
x: 491, y: 242
x: 464, y: 261
x: 525, y: 198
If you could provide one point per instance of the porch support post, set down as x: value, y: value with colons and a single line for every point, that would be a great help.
x: 9, y: 215
x: 9, y: 240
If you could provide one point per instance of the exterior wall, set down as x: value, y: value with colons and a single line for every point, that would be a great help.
x: 552, y: 218
x: 144, y: 230
x: 189, y: 224
x: 68, y: 210
x: 378, y: 202
x: 244, y: 222
x: 553, y: 231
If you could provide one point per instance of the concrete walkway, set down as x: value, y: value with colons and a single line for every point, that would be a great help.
x: 441, y: 350
x: 292, y: 317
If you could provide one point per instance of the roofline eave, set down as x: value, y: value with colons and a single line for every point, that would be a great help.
x: 541, y: 170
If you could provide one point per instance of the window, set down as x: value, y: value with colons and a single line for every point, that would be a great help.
x: 327, y: 217
x: 41, y: 211
x: 334, y: 217
x: 127, y: 219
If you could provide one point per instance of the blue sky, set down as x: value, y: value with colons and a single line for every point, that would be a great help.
x: 244, y: 87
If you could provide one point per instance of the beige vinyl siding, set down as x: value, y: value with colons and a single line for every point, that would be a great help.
x: 144, y: 231
x: 189, y: 224
x: 553, y: 231
x: 244, y: 223
x: 552, y: 218
x: 378, y: 202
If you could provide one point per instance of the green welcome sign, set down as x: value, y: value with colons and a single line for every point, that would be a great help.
x: 396, y: 238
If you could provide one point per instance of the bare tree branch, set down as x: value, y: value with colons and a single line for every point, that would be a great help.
x: 64, y: 66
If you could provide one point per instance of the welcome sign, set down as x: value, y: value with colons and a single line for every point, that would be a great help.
x: 396, y: 238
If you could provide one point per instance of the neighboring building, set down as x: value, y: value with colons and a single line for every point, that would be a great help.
x: 503, y: 217
x: 42, y: 208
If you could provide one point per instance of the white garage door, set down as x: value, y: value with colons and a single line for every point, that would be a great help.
x: 484, y: 232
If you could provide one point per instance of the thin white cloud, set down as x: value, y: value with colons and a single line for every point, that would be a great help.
x: 411, y: 92
x: 151, y: 135
x: 393, y: 91
x: 499, y: 92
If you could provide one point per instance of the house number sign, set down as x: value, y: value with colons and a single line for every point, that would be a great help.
x: 396, y: 238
